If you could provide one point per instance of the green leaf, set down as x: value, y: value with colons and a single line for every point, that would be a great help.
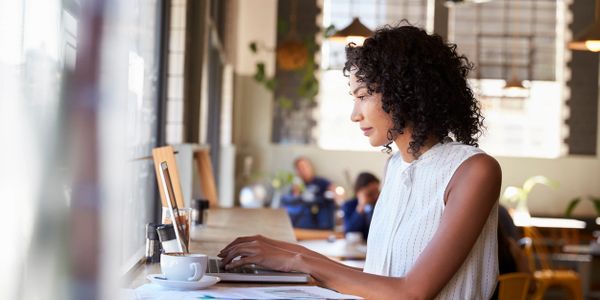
x: 572, y: 204
x: 532, y: 181
x: 329, y: 31
x: 271, y: 84
x: 596, y: 202
x: 260, y: 72
x: 253, y: 47
x: 285, y: 102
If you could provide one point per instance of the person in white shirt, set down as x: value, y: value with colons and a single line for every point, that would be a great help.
x: 433, y: 232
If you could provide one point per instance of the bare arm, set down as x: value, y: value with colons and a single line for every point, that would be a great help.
x: 470, y: 195
x: 292, y: 248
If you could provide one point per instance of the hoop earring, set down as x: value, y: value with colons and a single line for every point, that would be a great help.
x: 386, y: 147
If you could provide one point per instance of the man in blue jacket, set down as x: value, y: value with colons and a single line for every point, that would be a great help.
x: 310, y: 203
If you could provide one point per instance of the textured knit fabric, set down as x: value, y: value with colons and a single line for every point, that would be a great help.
x: 409, y: 212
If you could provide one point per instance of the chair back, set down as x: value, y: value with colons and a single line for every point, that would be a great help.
x: 167, y: 154
x: 513, y: 286
x: 536, y: 248
x: 206, y: 174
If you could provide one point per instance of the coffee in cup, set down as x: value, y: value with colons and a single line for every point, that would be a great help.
x: 183, y: 267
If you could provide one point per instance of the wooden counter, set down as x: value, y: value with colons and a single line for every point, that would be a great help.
x: 224, y: 225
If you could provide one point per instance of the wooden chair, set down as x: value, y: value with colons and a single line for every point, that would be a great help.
x: 513, y: 286
x: 545, y: 276
x: 207, y: 180
x: 167, y: 154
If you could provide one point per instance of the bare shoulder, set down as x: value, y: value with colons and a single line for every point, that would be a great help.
x: 481, y: 165
x: 480, y: 173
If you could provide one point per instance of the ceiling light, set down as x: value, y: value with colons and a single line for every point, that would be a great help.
x: 356, y: 32
x: 588, y: 39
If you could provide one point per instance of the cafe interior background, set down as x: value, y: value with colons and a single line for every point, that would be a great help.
x: 89, y: 87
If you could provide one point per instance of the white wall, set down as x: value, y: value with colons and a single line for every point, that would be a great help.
x: 257, y: 21
x: 578, y: 176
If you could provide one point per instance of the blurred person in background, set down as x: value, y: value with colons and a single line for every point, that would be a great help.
x: 358, y: 211
x: 310, y: 201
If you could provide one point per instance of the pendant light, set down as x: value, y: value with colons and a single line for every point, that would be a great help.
x: 356, y: 32
x: 589, y: 39
x: 514, y: 85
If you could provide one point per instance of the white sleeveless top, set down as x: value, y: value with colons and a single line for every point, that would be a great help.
x: 408, y: 213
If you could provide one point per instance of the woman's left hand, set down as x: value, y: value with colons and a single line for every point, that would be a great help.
x: 255, y: 250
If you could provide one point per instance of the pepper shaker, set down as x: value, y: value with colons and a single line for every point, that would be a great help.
x: 152, y: 243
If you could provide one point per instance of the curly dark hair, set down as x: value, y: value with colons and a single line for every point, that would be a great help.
x: 423, y: 82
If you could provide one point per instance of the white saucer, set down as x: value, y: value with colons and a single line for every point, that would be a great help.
x: 204, y: 282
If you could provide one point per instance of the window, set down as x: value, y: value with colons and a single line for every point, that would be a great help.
x: 336, y: 131
x: 130, y: 80
x: 80, y: 80
x: 31, y: 77
x: 507, y: 40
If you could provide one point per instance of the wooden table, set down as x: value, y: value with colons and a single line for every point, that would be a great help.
x: 223, y: 226
x: 337, y: 249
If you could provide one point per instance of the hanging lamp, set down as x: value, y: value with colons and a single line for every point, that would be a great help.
x: 356, y: 32
x: 514, y: 87
x: 588, y: 39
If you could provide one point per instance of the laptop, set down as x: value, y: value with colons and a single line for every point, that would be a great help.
x: 250, y: 273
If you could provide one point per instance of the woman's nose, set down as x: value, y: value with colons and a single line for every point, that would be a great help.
x: 356, y: 115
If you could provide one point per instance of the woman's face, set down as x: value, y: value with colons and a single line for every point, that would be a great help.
x: 367, y: 112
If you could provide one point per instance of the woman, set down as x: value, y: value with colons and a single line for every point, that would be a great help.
x: 358, y: 211
x: 433, y: 233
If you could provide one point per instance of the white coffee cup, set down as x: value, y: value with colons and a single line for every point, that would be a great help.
x: 183, y: 267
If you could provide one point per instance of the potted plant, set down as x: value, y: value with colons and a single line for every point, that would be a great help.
x: 575, y: 201
x: 516, y: 197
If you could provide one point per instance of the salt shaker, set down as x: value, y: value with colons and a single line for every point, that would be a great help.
x: 168, y: 239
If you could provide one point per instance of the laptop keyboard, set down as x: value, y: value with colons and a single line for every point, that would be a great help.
x: 215, y: 267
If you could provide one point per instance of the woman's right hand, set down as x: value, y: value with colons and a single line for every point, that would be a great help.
x: 245, y: 239
x: 275, y: 243
x: 260, y: 251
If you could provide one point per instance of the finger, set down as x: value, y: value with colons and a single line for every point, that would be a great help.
x: 246, y: 260
x: 240, y: 255
x: 226, y: 252
x: 241, y: 249
x: 237, y: 241
x: 240, y: 240
x: 232, y: 255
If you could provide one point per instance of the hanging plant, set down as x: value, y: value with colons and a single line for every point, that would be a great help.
x: 293, y: 55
